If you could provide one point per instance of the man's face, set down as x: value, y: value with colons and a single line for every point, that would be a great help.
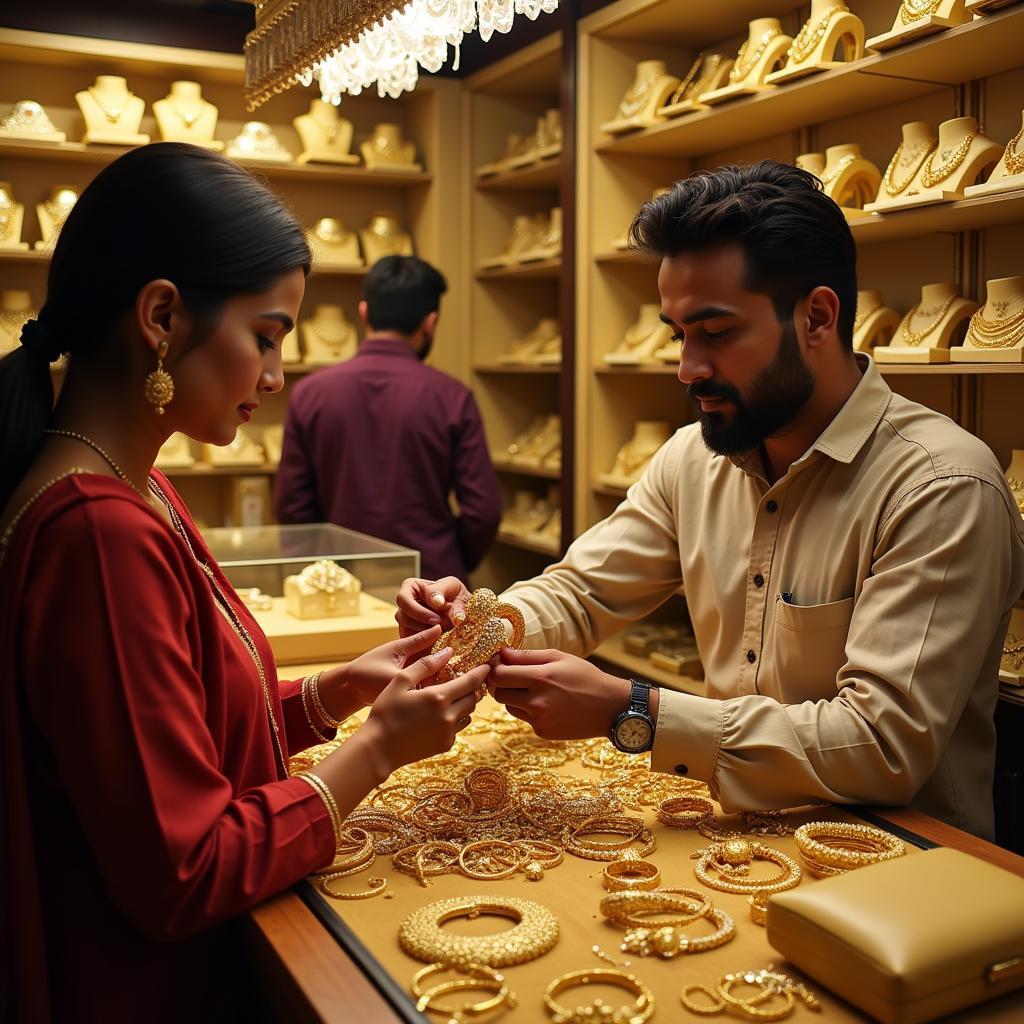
x: 743, y: 369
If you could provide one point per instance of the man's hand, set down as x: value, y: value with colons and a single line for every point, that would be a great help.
x: 426, y: 603
x: 563, y: 697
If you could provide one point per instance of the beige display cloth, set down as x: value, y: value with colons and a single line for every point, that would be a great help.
x: 572, y: 891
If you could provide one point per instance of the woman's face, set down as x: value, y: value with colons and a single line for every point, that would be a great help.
x: 220, y: 382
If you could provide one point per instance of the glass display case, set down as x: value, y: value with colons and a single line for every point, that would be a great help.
x: 320, y: 592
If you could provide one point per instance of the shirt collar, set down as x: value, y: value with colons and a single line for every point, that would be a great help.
x: 385, y: 346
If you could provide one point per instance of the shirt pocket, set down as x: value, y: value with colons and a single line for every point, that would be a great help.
x: 807, y: 649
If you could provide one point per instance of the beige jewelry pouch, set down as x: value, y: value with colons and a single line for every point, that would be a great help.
x: 907, y: 940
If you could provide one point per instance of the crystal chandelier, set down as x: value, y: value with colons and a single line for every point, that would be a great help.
x: 348, y: 45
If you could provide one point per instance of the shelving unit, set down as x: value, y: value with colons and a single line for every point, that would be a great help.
x: 538, y: 269
x: 51, y: 68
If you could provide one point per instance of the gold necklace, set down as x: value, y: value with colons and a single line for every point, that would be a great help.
x: 745, y: 64
x: 227, y: 610
x: 331, y: 231
x: 915, y: 338
x: 12, y: 321
x: 188, y: 117
x: 59, y: 206
x: 8, y: 209
x: 916, y: 155
x: 383, y: 147
x: 112, y: 114
x: 1013, y: 650
x: 683, y: 89
x: 1012, y: 160
x: 811, y: 34
x: 1005, y: 333
x: 915, y: 10
x: 951, y: 160
x: 1017, y: 487
x: 334, y: 342
x: 636, y: 96
x: 102, y: 452
x: 840, y: 167
x: 5, y: 539
x: 859, y: 317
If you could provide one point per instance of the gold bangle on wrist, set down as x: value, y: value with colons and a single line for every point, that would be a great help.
x: 318, y: 704
x: 629, y: 875
x: 325, y: 794
x: 835, y: 847
x: 306, y: 700
x: 640, y: 1012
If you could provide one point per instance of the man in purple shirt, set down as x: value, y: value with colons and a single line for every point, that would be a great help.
x: 378, y: 443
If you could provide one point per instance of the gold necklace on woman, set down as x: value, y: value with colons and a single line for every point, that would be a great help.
x: 811, y: 34
x: 951, y: 160
x: 1007, y: 332
x: 744, y: 63
x: 101, y: 452
x: 915, y: 338
x: 915, y: 155
x: 112, y: 114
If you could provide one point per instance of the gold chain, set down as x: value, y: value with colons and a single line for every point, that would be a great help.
x: 59, y: 206
x: 811, y: 34
x: 12, y: 321
x: 915, y: 10
x: 1012, y: 160
x: 1005, y: 333
x: 333, y: 342
x: 916, y: 155
x: 188, y: 118
x: 860, y: 316
x: 844, y: 162
x: 8, y: 209
x: 683, y: 89
x: 1013, y: 651
x: 1017, y: 487
x: 102, y: 452
x: 636, y: 96
x: 930, y: 177
x: 916, y: 337
x: 745, y: 64
x: 112, y: 114
x: 73, y: 471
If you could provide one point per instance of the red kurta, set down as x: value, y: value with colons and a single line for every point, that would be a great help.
x: 142, y: 804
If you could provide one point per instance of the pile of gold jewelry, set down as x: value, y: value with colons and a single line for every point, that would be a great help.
x: 771, y: 984
x: 835, y: 847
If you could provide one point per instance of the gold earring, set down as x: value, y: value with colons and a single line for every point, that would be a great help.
x: 159, y: 386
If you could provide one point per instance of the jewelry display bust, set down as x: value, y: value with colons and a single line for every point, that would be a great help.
x: 328, y: 337
x: 535, y: 445
x: 848, y: 178
x: 1009, y: 172
x: 527, y: 231
x: 333, y: 244
x: 548, y: 243
x: 516, y: 147
x: 15, y: 310
x: 53, y: 211
x: 958, y: 159
x: 1015, y: 477
x: 926, y: 332
x: 622, y: 242
x: 184, y: 116
x: 528, y: 349
x: 29, y: 121
x: 548, y: 140
x: 326, y: 136
x: 918, y: 142
x: 175, y: 453
x: 515, y: 518
x: 874, y: 323
x: 384, y: 236
x: 651, y: 87
x: 244, y: 450
x: 12, y: 219
x: 386, y: 150
x: 273, y: 441
x: 112, y: 112
x: 764, y: 49
x: 995, y: 333
x: 636, y: 453
x: 290, y: 354
x: 813, y: 163
x: 257, y: 141
x: 830, y: 27
x: 917, y: 18
x: 642, y: 338
x: 708, y: 72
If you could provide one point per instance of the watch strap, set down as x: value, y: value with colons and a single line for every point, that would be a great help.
x: 640, y: 697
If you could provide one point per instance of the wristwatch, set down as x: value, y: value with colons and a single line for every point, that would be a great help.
x: 633, y: 729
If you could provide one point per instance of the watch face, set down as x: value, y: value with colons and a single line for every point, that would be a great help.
x: 634, y: 732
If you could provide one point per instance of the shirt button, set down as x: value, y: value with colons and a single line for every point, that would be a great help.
x: 751, y: 657
x: 758, y: 580
x: 772, y: 506
x: 681, y: 769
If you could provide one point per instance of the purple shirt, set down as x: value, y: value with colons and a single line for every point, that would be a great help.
x: 377, y: 444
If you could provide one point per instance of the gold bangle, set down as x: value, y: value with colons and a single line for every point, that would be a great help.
x: 668, y: 941
x: 834, y: 847
x: 304, y: 690
x: 422, y: 860
x: 759, y: 908
x: 630, y: 909
x: 325, y: 794
x: 640, y: 1012
x: 631, y: 828
x: 685, y: 811
x: 628, y: 875
x: 534, y: 933
x: 377, y: 886
x: 503, y: 866
x: 749, y: 1007
x: 318, y: 704
x: 480, y: 977
x: 731, y: 861
x: 544, y: 853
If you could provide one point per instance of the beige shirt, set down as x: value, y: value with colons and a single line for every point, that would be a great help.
x: 850, y: 617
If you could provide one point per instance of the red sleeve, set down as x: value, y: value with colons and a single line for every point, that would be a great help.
x: 122, y: 659
x: 296, y: 724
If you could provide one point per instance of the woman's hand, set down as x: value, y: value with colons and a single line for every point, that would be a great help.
x: 425, y: 603
x: 370, y: 673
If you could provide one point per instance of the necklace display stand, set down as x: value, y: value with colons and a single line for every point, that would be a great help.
x: 527, y: 231
x: 764, y: 50
x: 813, y: 163
x: 995, y: 333
x: 328, y: 337
x: 334, y: 246
x: 1009, y: 172
x: 635, y: 455
x: 12, y: 219
x: 326, y: 136
x: 874, y: 323
x: 53, y: 211
x: 831, y: 26
x: 929, y: 328
x: 651, y: 87
x: 273, y: 442
x: 386, y: 150
x: 918, y: 18
x: 175, y: 453
x: 15, y: 310
x: 642, y: 339
x: 111, y: 112
x: 849, y: 179
x: 917, y: 144
x: 548, y: 243
x: 709, y: 72
x: 384, y: 236
x: 532, y: 345
x: 184, y: 116
x: 256, y: 142
x: 29, y: 122
x: 244, y: 450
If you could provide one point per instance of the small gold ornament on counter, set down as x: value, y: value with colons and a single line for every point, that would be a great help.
x: 323, y: 590
x: 771, y: 983
x: 834, y: 847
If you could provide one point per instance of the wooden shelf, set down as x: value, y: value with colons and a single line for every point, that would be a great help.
x: 979, y: 49
x: 613, y: 651
x: 204, y: 470
x: 25, y: 255
x: 645, y: 369
x: 948, y: 369
x: 623, y: 256
x: 551, y: 369
x: 542, y: 174
x: 538, y: 269
x: 506, y: 466
x: 549, y: 550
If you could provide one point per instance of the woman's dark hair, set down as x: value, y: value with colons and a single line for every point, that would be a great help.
x: 400, y: 291
x: 167, y: 210
x: 794, y: 237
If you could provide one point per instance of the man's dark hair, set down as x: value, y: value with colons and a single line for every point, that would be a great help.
x: 793, y: 236
x: 400, y: 291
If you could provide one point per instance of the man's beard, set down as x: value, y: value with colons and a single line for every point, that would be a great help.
x: 428, y: 345
x: 774, y: 398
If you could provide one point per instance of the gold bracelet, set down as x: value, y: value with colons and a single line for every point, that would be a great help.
x: 325, y: 794
x: 834, y: 847
x: 628, y: 875
x: 304, y: 690
x: 668, y: 941
x: 534, y: 933
x: 422, y: 860
x: 492, y: 865
x: 685, y: 811
x: 629, y: 909
x: 758, y: 908
x: 377, y: 886
x: 640, y: 1012
x: 480, y: 977
x: 318, y: 704
x: 731, y: 861
x: 631, y: 828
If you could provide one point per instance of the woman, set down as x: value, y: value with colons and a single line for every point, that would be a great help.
x: 145, y: 795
